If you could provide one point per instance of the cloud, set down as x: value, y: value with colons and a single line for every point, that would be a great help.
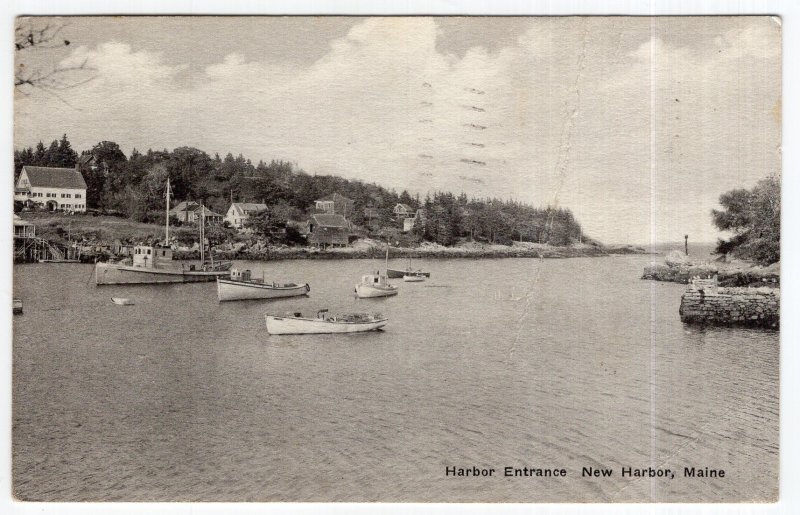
x: 563, y: 114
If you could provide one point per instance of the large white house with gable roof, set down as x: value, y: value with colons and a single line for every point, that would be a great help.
x: 52, y: 188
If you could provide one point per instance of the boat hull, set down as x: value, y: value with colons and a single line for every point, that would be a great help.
x: 290, y: 325
x: 228, y: 289
x: 367, y: 291
x: 398, y: 274
x: 110, y: 273
x: 413, y: 278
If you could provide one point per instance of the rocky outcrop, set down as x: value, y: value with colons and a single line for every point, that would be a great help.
x: 728, y: 274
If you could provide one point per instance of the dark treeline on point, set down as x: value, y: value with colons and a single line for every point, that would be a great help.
x: 754, y: 218
x: 134, y: 186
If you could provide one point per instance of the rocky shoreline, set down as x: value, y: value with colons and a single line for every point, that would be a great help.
x: 679, y: 268
x: 472, y: 251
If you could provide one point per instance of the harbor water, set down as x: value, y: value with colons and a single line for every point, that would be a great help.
x: 490, y: 363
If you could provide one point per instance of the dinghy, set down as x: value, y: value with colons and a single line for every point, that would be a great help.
x: 121, y: 301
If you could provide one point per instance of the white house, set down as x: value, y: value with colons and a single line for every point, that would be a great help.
x: 53, y: 188
x: 239, y: 212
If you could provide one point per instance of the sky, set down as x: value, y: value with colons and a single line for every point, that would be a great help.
x: 636, y: 124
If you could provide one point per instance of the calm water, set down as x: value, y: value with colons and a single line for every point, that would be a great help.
x: 516, y: 362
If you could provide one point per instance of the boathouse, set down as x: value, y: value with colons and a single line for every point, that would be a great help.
x: 328, y: 230
x: 51, y: 188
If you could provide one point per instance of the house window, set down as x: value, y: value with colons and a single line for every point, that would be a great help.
x: 148, y: 251
x: 77, y: 195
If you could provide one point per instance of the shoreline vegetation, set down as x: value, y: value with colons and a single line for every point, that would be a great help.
x: 97, y: 236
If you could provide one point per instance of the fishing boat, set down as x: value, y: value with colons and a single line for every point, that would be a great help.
x: 152, y: 264
x: 242, y: 286
x: 393, y: 273
x: 17, y: 307
x: 324, y: 323
x: 376, y: 285
x: 121, y: 301
x: 413, y: 278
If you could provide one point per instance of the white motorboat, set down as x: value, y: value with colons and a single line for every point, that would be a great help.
x: 241, y: 286
x: 375, y: 285
x: 121, y: 301
x: 324, y: 323
x: 413, y: 278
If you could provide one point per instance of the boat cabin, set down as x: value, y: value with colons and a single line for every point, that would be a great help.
x: 376, y: 279
x: 244, y: 276
x: 150, y: 257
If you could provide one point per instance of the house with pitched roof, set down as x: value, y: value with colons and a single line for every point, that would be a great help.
x: 239, y: 212
x: 190, y: 212
x: 51, y: 188
x: 403, y: 211
x: 334, y: 204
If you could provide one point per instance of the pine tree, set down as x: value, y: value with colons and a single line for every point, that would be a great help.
x: 66, y: 156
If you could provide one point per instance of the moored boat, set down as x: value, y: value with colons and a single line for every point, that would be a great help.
x: 324, y: 323
x: 17, y: 306
x: 393, y: 273
x: 241, y: 286
x: 375, y: 285
x: 152, y: 264
x: 413, y: 278
x: 122, y: 301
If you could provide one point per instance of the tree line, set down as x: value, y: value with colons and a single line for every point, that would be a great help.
x: 134, y: 186
x: 753, y: 217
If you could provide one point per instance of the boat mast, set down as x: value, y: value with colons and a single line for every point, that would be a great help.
x: 202, y: 234
x: 387, y: 257
x: 166, y: 235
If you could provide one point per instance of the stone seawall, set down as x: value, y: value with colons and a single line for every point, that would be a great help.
x: 749, y: 307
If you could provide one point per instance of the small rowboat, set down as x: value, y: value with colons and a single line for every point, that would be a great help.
x: 324, y: 323
x: 413, y: 278
x: 121, y: 301
x: 17, y: 307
